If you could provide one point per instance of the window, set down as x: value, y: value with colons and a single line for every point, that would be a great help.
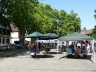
x: 3, y: 40
x: 7, y: 41
x: 8, y: 32
x: 0, y: 31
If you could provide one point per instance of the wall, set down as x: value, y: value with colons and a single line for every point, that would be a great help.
x: 2, y: 39
x: 15, y: 37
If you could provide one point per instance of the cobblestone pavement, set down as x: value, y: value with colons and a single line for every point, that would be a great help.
x: 21, y: 62
x: 7, y: 53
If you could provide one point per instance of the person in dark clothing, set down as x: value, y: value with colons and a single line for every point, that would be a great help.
x: 39, y: 46
x: 33, y: 51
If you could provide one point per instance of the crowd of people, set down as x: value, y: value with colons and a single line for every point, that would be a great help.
x: 78, y: 49
x: 36, y: 47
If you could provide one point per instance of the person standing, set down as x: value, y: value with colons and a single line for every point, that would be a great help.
x: 79, y: 44
x: 39, y: 46
x: 31, y: 46
x: 88, y: 47
x: 9, y: 46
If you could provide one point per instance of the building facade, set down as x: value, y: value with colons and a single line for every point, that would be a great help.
x: 15, y: 36
x: 4, y: 35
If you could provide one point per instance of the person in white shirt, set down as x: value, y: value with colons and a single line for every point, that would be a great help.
x: 88, y: 48
x: 79, y: 44
x: 60, y: 46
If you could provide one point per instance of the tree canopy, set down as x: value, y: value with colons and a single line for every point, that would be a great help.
x: 93, y: 34
x: 30, y: 16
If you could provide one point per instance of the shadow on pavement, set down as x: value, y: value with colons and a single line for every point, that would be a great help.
x: 10, y: 53
x: 22, y: 52
x: 85, y: 58
x: 45, y: 56
x: 55, y: 53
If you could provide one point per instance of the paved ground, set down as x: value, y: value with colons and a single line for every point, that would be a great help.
x: 21, y: 62
x: 4, y: 53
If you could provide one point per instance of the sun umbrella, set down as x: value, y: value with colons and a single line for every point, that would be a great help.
x: 35, y: 35
x: 50, y: 36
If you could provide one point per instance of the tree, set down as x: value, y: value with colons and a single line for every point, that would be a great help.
x: 69, y: 23
x: 62, y: 29
x: 3, y: 19
x: 93, y: 34
x: 46, y: 18
x: 84, y: 28
x: 95, y: 13
x: 76, y: 22
x: 30, y: 16
x: 20, y: 12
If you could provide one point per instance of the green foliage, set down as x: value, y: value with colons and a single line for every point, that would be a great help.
x: 93, y: 34
x: 45, y: 18
x: 33, y: 16
x: 3, y: 20
x: 95, y: 13
x: 69, y: 23
x: 21, y: 13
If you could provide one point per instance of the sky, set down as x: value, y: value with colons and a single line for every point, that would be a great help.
x: 84, y: 9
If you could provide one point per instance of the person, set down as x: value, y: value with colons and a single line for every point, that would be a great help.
x: 13, y: 46
x: 31, y: 46
x: 75, y: 47
x: 90, y: 47
x: 78, y: 52
x: 34, y: 47
x: 84, y: 52
x: 33, y: 50
x: 39, y: 45
x: 33, y: 55
x: 78, y: 44
x: 84, y: 44
x: 63, y: 47
x: 37, y: 48
x: 60, y: 46
x: 69, y: 51
x: 72, y: 46
x: 9, y: 46
x: 42, y: 43
x: 47, y: 49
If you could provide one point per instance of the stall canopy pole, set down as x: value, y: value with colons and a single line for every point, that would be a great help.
x: 57, y: 49
x: 93, y: 51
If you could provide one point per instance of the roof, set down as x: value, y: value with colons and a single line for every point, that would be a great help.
x: 14, y: 28
x: 84, y: 31
x: 89, y: 31
x: 75, y: 37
